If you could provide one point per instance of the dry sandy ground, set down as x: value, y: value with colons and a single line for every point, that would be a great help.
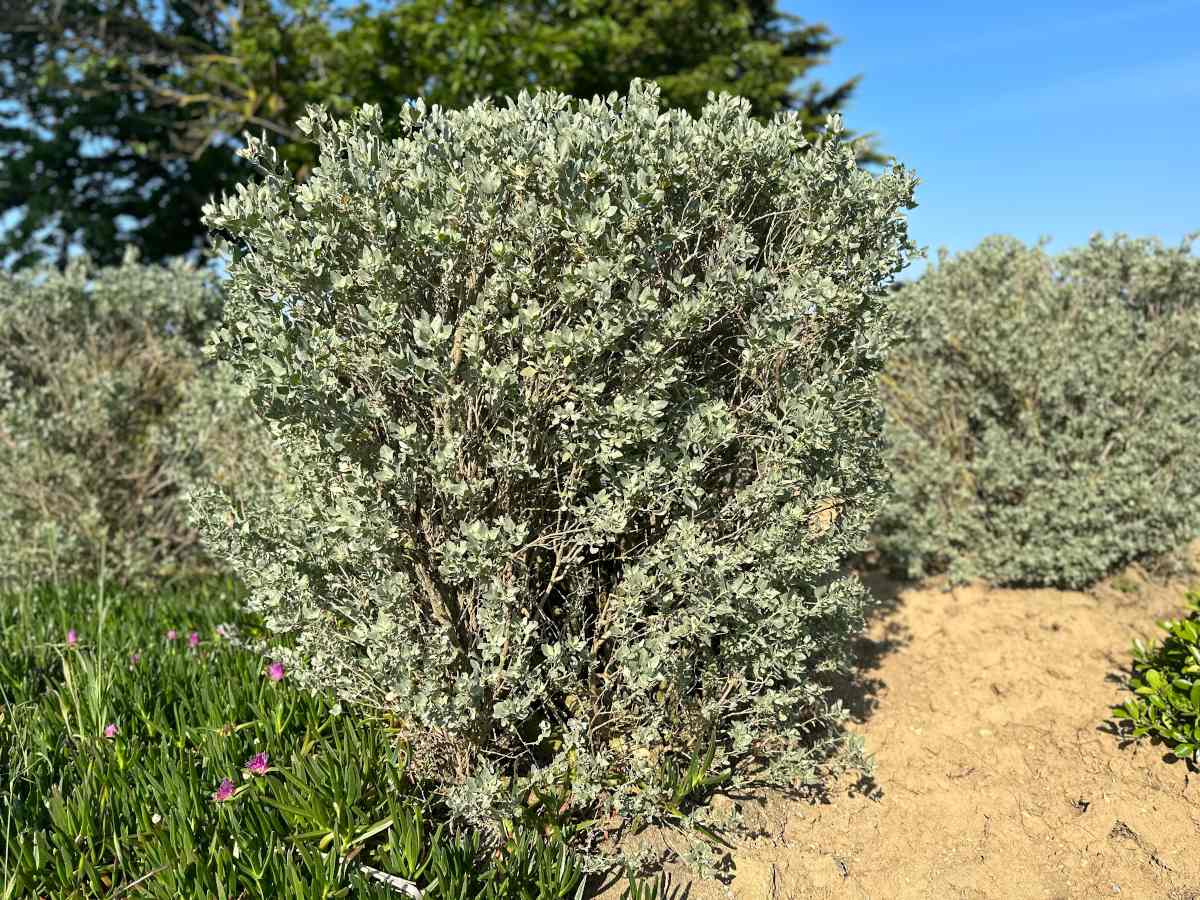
x: 994, y: 776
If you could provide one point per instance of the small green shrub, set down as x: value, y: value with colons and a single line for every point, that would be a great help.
x: 1166, y: 686
x: 108, y: 413
x: 578, y: 404
x: 1042, y: 412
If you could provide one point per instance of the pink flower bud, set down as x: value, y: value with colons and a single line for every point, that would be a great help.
x: 257, y: 764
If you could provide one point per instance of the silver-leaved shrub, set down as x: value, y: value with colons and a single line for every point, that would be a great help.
x: 578, y: 401
x: 109, y: 413
x: 1043, y: 412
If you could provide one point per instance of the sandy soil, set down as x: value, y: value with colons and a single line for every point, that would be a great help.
x: 995, y: 775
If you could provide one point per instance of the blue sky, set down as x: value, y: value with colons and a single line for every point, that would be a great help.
x: 1054, y: 118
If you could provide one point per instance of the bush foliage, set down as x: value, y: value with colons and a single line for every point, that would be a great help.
x: 108, y: 413
x: 1166, y: 686
x: 577, y: 400
x: 1042, y: 412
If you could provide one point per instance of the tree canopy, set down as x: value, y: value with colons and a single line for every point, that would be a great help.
x: 120, y: 118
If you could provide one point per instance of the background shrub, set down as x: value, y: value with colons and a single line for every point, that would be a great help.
x: 108, y: 412
x: 578, y: 404
x: 1042, y: 412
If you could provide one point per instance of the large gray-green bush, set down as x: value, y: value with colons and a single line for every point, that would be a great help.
x: 109, y: 413
x: 1044, y: 412
x: 578, y: 403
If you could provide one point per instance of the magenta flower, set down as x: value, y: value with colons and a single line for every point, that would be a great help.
x: 134, y: 659
x: 72, y: 637
x: 110, y: 730
x: 224, y: 791
x: 172, y: 634
x: 193, y: 640
x: 257, y: 764
x: 275, y: 671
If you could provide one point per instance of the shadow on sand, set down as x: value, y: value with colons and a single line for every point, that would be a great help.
x: 859, y: 689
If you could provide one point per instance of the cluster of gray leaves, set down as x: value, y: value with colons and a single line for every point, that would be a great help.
x: 578, y: 405
x: 1043, y: 412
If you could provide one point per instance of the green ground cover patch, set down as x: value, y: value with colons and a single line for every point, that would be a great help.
x: 142, y: 752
